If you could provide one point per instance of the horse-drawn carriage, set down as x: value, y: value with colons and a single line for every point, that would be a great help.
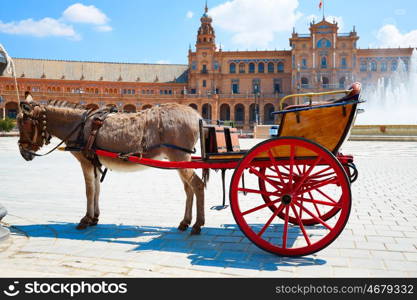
x: 290, y: 195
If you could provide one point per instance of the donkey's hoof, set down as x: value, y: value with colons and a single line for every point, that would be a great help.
x: 85, y: 222
x: 196, y: 230
x: 94, y: 222
x: 183, y: 226
x: 82, y: 226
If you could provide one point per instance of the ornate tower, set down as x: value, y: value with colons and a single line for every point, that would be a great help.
x: 204, y: 64
x: 206, y: 36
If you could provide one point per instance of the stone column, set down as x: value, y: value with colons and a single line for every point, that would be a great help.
x: 261, y: 111
x: 247, y: 114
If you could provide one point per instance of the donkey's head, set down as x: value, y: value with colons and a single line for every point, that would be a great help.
x: 31, y: 122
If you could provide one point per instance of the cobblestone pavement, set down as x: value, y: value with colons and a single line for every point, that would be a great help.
x: 137, y: 234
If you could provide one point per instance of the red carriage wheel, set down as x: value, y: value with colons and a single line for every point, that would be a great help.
x: 326, y: 212
x: 301, y: 181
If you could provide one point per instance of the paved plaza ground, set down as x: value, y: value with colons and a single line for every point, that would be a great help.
x: 137, y: 234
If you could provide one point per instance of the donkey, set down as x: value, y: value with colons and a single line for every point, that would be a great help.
x: 173, y: 124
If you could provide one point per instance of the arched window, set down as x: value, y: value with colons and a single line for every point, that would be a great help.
x: 261, y: 68
x: 325, y: 82
x: 373, y: 66
x: 271, y: 68
x: 304, y: 82
x: 280, y: 67
x: 342, y: 82
x: 242, y: 68
x: 324, y: 62
x: 268, y: 116
x: 232, y: 68
x: 239, y: 114
x: 206, y: 111
x: 304, y: 63
x: 324, y: 43
x: 363, y: 66
x: 251, y: 68
x: 252, y: 113
x: 225, y: 112
x: 343, y: 63
x: 383, y: 66
x: 129, y: 108
x: 394, y: 65
x: 193, y: 106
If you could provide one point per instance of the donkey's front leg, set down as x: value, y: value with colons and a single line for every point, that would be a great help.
x: 96, y: 199
x: 90, y: 189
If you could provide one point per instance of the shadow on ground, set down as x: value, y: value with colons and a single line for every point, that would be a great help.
x: 216, y: 247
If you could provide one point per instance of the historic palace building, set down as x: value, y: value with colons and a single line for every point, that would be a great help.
x: 241, y: 86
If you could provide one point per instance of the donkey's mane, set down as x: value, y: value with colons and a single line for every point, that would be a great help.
x: 66, y: 104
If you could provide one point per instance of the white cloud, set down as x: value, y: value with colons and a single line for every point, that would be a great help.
x: 76, y: 13
x: 315, y: 18
x: 79, y: 13
x: 254, y: 23
x: 42, y: 28
x: 390, y: 36
x: 104, y: 28
x: 189, y: 14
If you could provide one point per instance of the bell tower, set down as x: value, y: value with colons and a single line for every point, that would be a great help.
x: 204, y: 62
x: 206, y: 36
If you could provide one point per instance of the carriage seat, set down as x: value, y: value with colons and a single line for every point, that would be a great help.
x: 353, y: 95
x: 218, y: 141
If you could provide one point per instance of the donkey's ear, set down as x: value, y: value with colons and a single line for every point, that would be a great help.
x: 28, y: 96
x: 26, y: 108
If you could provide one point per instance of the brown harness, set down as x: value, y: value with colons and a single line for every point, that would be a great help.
x: 30, y: 126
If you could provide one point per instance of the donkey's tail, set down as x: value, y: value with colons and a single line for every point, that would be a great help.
x: 206, y: 176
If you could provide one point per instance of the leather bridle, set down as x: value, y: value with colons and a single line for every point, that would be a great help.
x: 30, y: 126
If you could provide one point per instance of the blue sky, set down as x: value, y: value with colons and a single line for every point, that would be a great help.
x: 160, y: 31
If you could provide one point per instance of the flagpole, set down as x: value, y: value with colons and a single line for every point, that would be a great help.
x: 323, y: 10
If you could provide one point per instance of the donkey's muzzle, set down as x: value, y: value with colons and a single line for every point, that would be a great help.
x: 28, y: 156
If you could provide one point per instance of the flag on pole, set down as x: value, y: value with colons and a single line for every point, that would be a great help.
x: 321, y: 4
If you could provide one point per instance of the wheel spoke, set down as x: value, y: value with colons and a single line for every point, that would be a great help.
x: 292, y: 153
x: 300, y: 222
x: 276, y: 212
x: 314, y: 216
x: 325, y: 195
x: 262, y: 176
x: 320, y: 172
x: 318, y: 202
x: 332, y: 180
x: 307, y: 173
x: 298, y: 169
x: 322, y: 175
x: 260, y: 207
x: 284, y: 237
x: 274, y: 164
x: 278, y: 183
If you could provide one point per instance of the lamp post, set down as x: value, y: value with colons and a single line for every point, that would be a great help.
x: 257, y: 120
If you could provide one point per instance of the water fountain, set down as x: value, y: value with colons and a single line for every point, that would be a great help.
x: 393, y: 100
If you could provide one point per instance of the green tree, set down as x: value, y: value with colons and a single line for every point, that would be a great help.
x: 7, y: 124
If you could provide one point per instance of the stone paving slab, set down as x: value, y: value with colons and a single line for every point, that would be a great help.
x: 137, y: 235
